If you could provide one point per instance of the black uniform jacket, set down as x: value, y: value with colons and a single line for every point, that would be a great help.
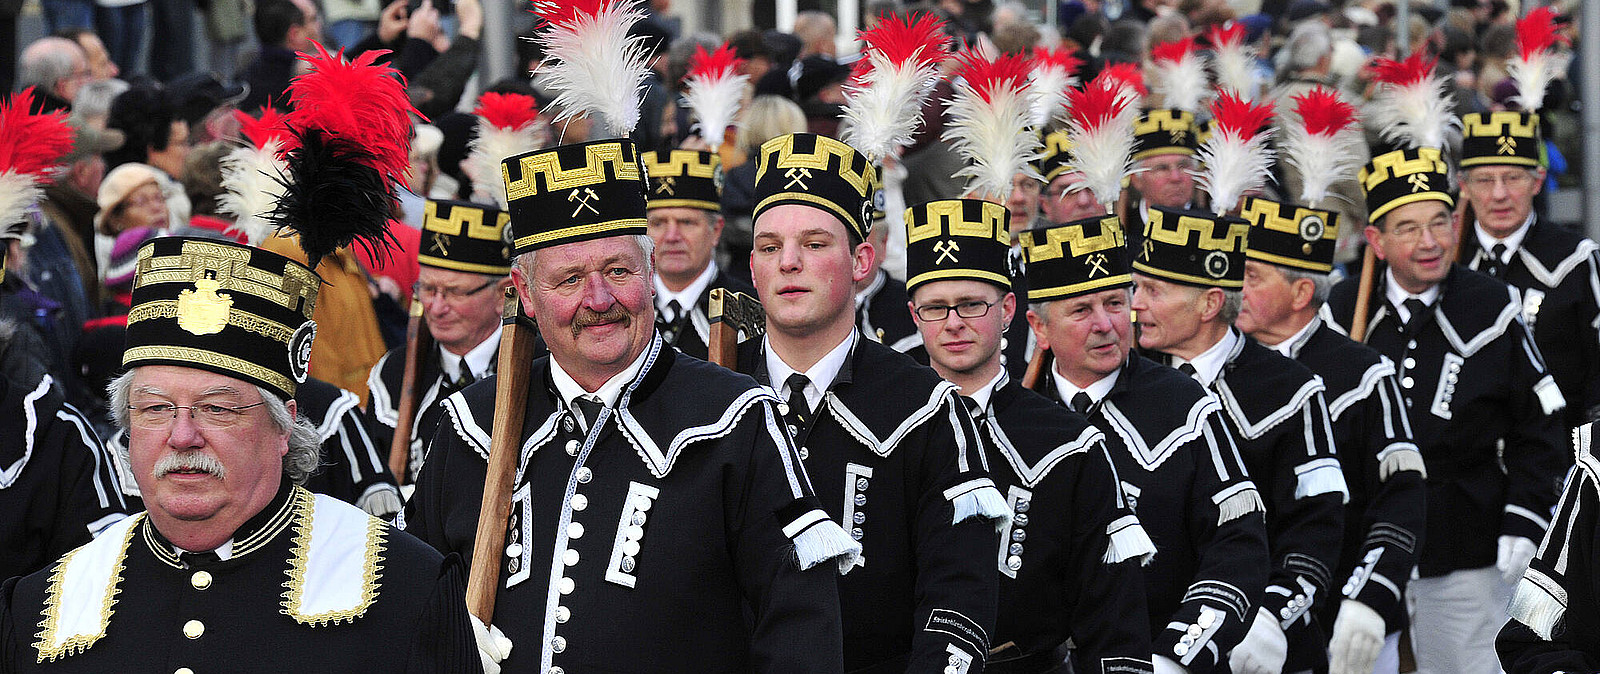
x: 883, y: 313
x: 58, y: 484
x: 1555, y: 614
x: 383, y: 403
x: 1277, y: 414
x: 1183, y: 476
x: 895, y: 458
x: 664, y: 537
x: 1558, y: 273
x: 1070, y: 558
x: 1483, y: 409
x: 1383, y: 468
x: 313, y: 585
x: 692, y: 331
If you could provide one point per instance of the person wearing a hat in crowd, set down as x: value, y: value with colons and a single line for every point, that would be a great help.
x: 1556, y: 270
x: 660, y: 517
x: 157, y: 135
x: 1289, y: 258
x: 57, y: 483
x: 1070, y: 558
x: 69, y: 203
x: 1166, y: 138
x: 685, y: 215
x: 1188, y: 275
x: 130, y: 197
x: 881, y: 299
x: 890, y: 448
x: 1485, y: 411
x: 465, y: 267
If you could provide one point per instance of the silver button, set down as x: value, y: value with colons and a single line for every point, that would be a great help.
x: 1206, y: 619
x: 563, y: 614
x: 1021, y: 519
x: 627, y: 564
x: 642, y: 503
x: 1411, y: 344
x: 572, y: 448
x: 1349, y: 587
x: 632, y: 533
x: 584, y: 475
x: 567, y: 586
x: 558, y: 643
x: 861, y: 499
x: 783, y: 408
x: 1004, y: 342
x: 856, y: 533
x: 862, y: 484
x: 1019, y: 535
x: 570, y: 557
x: 1286, y: 613
x: 1407, y: 382
x: 1014, y: 562
x: 557, y: 670
x: 566, y: 424
x: 1195, y: 631
x: 1180, y: 650
x: 514, y: 550
x: 858, y: 517
x: 1186, y: 640
x: 575, y: 530
x: 638, y: 519
x: 579, y: 501
x: 805, y: 453
x: 630, y: 548
x: 951, y: 669
x: 1016, y: 548
x: 793, y: 431
x: 1410, y: 362
x: 183, y: 670
x: 1022, y: 506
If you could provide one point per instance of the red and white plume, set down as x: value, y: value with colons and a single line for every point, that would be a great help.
x: 253, y: 175
x: 1537, y: 61
x: 508, y: 125
x: 1318, y: 140
x: 713, y: 89
x: 1052, y: 73
x: 989, y: 123
x: 883, y: 99
x: 30, y: 147
x: 1411, y: 107
x: 1102, y: 137
x: 1235, y: 156
x: 1233, y: 60
x: 591, y: 60
x: 1180, y: 75
x: 1128, y: 79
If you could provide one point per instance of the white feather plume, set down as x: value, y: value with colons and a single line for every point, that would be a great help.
x: 1236, y: 69
x: 18, y: 193
x: 989, y: 127
x: 1182, y: 82
x: 883, y: 110
x: 1102, y: 138
x: 1235, y: 158
x: 252, y: 186
x: 595, y: 66
x: 1047, y: 94
x: 1321, y: 161
x: 1412, y: 107
x: 1534, y: 74
x: 493, y: 145
x: 714, y: 93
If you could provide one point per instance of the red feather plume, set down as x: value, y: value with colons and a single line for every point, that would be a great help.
x: 1061, y: 58
x: 358, y: 101
x: 570, y: 12
x: 1126, y: 74
x: 901, y: 38
x: 31, y: 144
x: 1172, y: 52
x: 1538, y: 32
x: 1244, y: 118
x: 1413, y: 70
x: 1098, y: 103
x: 1323, y: 113
x: 1230, y: 33
x: 716, y: 64
x: 985, y: 76
x: 264, y: 129
x: 507, y: 111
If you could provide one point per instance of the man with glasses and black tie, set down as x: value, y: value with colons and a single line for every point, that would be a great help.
x: 464, y: 266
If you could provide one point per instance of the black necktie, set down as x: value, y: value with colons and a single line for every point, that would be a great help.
x: 589, y: 407
x: 1081, y: 402
x: 1418, y: 311
x: 1496, y: 266
x: 799, y: 411
x: 198, y: 560
x: 1187, y: 369
x: 669, y: 325
x: 466, y: 377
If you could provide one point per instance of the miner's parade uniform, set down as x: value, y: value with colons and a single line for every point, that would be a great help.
x: 1175, y: 457
x: 689, y: 179
x: 1069, y: 559
x: 1556, y: 270
x: 668, y: 508
x: 1382, y: 466
x: 456, y: 236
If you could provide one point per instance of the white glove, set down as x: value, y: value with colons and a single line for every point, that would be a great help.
x: 1263, y: 649
x: 493, y: 647
x: 1358, y: 635
x: 1515, y: 553
x: 1165, y: 666
x: 381, y: 501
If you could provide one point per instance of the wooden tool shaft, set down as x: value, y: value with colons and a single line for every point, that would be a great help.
x: 400, y: 445
x: 1358, y: 324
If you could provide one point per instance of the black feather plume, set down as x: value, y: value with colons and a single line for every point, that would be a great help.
x: 333, y: 197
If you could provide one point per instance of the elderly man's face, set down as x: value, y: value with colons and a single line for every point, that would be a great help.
x: 1066, y: 199
x: 1023, y: 202
x: 592, y: 300
x: 1089, y: 335
x: 215, y: 466
x: 462, y: 308
x: 1416, y: 241
x: 1169, y: 313
x: 685, y: 239
x: 1501, y: 196
x: 1165, y: 180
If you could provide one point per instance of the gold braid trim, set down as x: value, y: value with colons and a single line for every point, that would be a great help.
x: 294, y: 592
x: 52, y: 606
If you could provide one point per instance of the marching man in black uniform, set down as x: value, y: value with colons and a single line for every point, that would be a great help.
x: 1483, y: 407
x: 1555, y: 614
x: 1290, y: 254
x: 1187, y: 278
x: 881, y: 435
x: 1169, y: 444
x: 1070, y: 558
x: 463, y: 269
x: 1556, y: 270
x: 685, y: 213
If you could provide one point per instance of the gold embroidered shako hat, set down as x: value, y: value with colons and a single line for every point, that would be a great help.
x: 1165, y: 131
x: 958, y: 239
x: 1504, y: 138
x: 219, y: 306
x: 684, y: 179
x: 1077, y: 258
x: 463, y: 236
x: 1413, y: 116
x: 820, y: 172
x: 1056, y: 157
x: 1290, y: 235
x: 1193, y: 248
x: 573, y: 193
x: 1401, y: 177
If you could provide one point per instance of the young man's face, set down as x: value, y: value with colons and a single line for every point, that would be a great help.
x: 805, y: 268
x: 957, y: 344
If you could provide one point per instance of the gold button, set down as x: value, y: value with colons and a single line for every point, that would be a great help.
x: 193, y: 629
x: 183, y: 670
x: 200, y: 580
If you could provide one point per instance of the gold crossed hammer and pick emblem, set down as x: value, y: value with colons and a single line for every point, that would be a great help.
x: 1097, y: 264
x: 1419, y: 182
x: 946, y: 249
x: 441, y: 244
x: 797, y: 176
x: 583, y: 196
x: 1508, y: 145
x: 668, y: 185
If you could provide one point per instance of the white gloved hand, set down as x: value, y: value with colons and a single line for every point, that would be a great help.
x: 1515, y: 553
x: 1358, y: 635
x: 1163, y: 665
x: 1263, y: 649
x: 493, y: 646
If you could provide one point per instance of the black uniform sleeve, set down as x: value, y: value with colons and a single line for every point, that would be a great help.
x: 1305, y: 517
x: 9, y: 655
x: 957, y: 585
x: 1588, y: 335
x: 1226, y: 522
x: 89, y: 493
x: 1110, y: 617
x: 353, y: 452
x: 1533, y: 458
x: 444, y: 643
x: 1395, y: 513
x: 795, y: 613
x: 443, y: 511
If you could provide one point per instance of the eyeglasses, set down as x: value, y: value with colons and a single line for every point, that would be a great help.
x: 1513, y: 181
x: 447, y: 293
x: 938, y: 312
x: 207, y: 416
x: 1441, y: 230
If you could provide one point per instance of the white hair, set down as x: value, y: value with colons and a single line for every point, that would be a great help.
x: 1321, y: 284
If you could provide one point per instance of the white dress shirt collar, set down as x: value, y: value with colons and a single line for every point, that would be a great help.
x: 821, y: 374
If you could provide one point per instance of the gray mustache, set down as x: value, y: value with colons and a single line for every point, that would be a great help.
x: 190, y: 461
